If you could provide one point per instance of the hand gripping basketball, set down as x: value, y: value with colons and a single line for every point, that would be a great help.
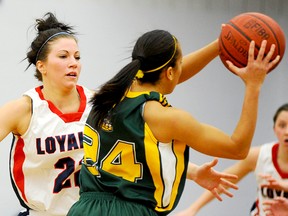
x: 237, y: 34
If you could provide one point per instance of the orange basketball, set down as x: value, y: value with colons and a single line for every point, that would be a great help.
x: 236, y: 35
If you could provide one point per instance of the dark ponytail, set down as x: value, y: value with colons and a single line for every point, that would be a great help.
x: 153, y: 52
x: 113, y: 91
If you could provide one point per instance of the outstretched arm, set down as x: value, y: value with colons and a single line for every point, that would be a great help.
x: 240, y: 169
x: 196, y: 61
x: 180, y: 125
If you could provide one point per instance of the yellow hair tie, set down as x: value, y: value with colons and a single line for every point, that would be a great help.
x: 139, y: 74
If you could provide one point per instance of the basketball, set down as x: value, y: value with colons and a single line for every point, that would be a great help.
x: 236, y: 35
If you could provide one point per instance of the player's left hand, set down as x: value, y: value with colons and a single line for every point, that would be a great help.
x: 214, y: 181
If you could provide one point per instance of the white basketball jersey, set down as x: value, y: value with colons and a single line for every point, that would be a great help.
x: 267, y: 164
x: 45, y: 161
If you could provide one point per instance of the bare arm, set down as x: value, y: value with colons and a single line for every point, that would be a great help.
x: 181, y: 126
x: 240, y: 169
x: 15, y: 117
x: 196, y: 61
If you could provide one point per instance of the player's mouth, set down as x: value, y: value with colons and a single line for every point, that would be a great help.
x: 72, y: 74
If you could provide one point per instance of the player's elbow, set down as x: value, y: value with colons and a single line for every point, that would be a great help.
x: 240, y: 154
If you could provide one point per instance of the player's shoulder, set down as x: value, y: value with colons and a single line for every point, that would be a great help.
x: 16, y: 114
x: 21, y: 104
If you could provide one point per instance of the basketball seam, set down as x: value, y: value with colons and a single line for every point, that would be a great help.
x: 242, y: 33
x: 231, y: 56
x: 275, y: 36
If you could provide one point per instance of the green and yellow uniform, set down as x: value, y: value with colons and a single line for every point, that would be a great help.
x: 126, y: 170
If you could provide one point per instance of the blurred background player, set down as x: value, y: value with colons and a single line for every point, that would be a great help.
x: 268, y: 162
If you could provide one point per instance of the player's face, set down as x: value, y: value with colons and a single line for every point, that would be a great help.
x: 62, y: 67
x: 281, y: 128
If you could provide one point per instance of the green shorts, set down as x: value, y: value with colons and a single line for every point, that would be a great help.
x: 107, y: 204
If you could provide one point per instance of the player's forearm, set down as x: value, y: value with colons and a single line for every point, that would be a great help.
x: 192, y: 171
x: 196, y: 61
x: 203, y: 200
x: 243, y: 134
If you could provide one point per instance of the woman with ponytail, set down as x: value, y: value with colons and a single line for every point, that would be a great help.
x: 136, y: 145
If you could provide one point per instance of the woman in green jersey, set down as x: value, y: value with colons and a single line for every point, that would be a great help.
x: 137, y: 145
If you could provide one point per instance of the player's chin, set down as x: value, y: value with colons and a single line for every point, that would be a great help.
x: 285, y: 143
x: 71, y: 83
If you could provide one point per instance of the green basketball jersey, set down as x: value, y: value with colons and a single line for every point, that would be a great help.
x: 124, y: 157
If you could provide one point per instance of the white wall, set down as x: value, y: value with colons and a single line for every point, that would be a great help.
x: 108, y: 30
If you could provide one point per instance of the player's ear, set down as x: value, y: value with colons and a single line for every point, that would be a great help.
x: 170, y: 73
x: 40, y: 67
